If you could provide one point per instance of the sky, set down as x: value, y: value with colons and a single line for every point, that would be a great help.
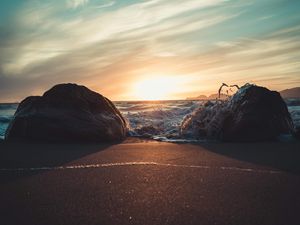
x: 147, y: 49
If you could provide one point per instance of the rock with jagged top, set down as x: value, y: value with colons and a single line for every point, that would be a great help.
x: 67, y: 112
x: 254, y: 113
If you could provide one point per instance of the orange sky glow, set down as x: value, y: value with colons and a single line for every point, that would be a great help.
x: 147, y: 50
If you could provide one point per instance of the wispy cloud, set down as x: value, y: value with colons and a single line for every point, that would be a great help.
x: 76, y: 3
x: 100, y: 43
x: 52, y: 35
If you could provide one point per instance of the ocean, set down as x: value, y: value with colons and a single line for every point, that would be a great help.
x: 7, y: 111
x: 159, y: 120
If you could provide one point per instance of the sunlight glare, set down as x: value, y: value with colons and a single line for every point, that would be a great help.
x: 156, y: 88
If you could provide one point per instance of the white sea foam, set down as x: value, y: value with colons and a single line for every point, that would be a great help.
x: 158, y: 120
x: 295, y: 114
x: 6, y: 114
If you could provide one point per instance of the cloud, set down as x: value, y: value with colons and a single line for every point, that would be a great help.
x: 76, y: 3
x: 100, y: 43
x: 271, y: 61
x: 46, y: 35
x: 104, y: 5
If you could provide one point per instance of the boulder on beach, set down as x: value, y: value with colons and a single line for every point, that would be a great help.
x: 297, y: 132
x: 254, y: 113
x: 67, y: 112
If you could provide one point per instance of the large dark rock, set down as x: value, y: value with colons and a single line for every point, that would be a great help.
x: 67, y: 112
x: 253, y: 114
x: 297, y: 132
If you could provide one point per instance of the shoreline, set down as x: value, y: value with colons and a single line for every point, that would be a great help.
x: 277, y: 154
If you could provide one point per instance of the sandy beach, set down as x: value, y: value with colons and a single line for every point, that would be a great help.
x: 146, y: 182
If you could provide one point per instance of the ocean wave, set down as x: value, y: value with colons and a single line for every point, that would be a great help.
x: 295, y: 114
x: 165, y: 122
x: 162, y: 122
x: 7, y: 106
x: 292, y: 102
x: 156, y: 120
x: 5, y: 119
x: 130, y: 108
x: 3, y: 128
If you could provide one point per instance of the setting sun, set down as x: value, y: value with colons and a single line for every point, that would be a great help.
x: 155, y: 88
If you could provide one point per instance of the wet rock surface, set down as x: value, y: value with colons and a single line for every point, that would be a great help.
x: 297, y: 132
x: 67, y: 112
x: 254, y: 113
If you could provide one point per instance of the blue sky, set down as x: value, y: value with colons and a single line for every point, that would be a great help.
x: 113, y: 45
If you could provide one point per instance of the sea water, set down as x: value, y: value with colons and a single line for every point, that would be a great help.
x: 159, y: 120
x: 7, y: 111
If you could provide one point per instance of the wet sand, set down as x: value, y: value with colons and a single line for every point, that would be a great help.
x: 146, y: 182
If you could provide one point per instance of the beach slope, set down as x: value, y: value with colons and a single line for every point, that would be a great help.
x: 139, y: 182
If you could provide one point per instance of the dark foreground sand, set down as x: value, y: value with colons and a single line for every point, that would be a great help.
x: 144, y: 182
